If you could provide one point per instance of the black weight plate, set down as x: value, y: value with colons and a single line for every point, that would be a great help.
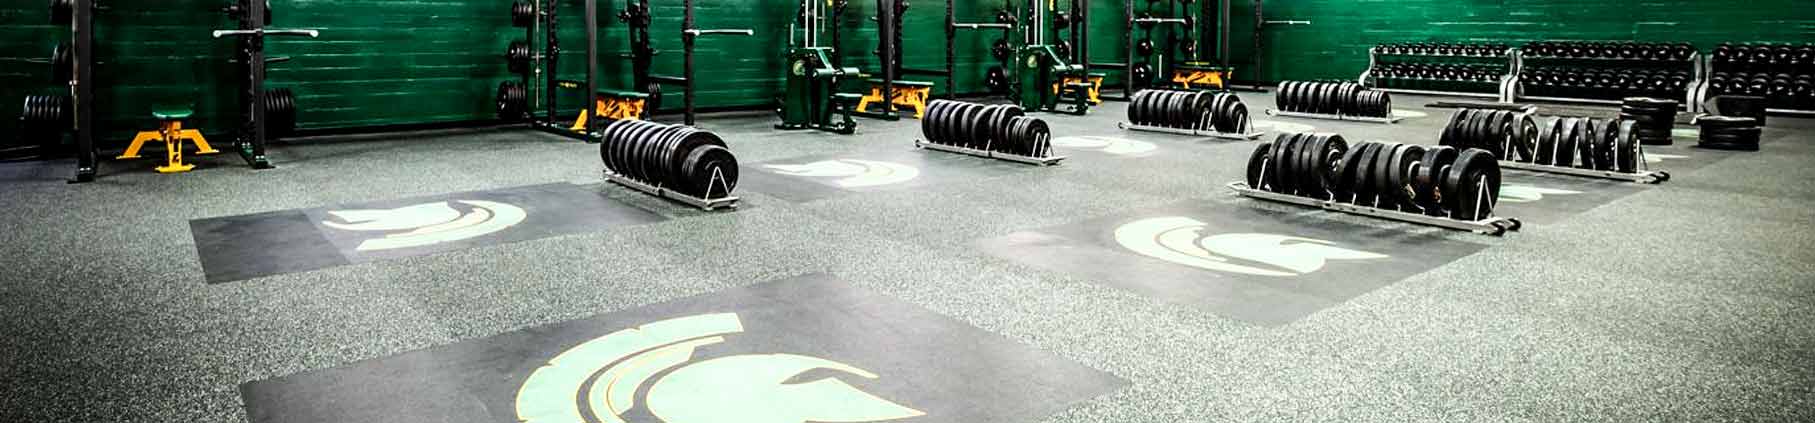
x: 1566, y: 142
x: 1309, y: 181
x: 1585, y: 142
x: 1381, y: 174
x: 1039, y: 138
x: 1203, y: 112
x: 631, y: 141
x: 932, y: 115
x: 1182, y: 108
x: 953, y: 120
x: 1456, y: 121
x: 1280, y: 94
x: 1547, y: 142
x: 605, y: 143
x: 1344, y: 184
x: 1137, y: 108
x: 701, y: 164
x: 1287, y: 173
x: 1626, y: 148
x: 621, y: 151
x: 645, y: 157
x: 1334, y: 150
x: 972, y: 128
x: 1241, y: 121
x: 1425, y: 183
x: 1604, y: 145
x: 1502, y: 131
x: 1008, y: 113
x: 673, y: 158
x: 943, y: 124
x: 1150, y: 108
x: 1525, y: 138
x: 1363, y: 184
x: 1478, y: 179
x: 1257, y: 162
x: 1403, y: 163
x: 1281, y: 163
x: 961, y: 126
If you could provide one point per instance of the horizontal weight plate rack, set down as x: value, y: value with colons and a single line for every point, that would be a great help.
x: 702, y: 203
x: 1192, y: 132
x: 1642, y: 176
x: 1042, y: 161
x: 1496, y: 226
x: 1386, y: 120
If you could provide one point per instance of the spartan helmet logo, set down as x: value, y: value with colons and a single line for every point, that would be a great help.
x: 598, y: 381
x: 426, y: 224
x: 1180, y: 240
x: 1111, y: 145
x: 1513, y: 193
x: 852, y: 173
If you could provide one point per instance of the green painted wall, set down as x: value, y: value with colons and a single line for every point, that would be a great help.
x: 423, y: 61
x: 1335, y: 44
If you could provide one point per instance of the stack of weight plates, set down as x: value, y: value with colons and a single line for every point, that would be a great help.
x: 1655, y: 118
x: 676, y: 157
x: 1438, y: 181
x: 1729, y: 133
x: 1589, y: 143
x: 1000, y: 128
x: 1508, y: 135
x: 1332, y: 98
x: 1189, y: 110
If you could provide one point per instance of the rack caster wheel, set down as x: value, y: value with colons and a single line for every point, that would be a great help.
x: 1663, y: 176
x: 1515, y: 224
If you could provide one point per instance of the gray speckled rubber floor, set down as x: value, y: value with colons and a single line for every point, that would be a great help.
x: 1689, y: 301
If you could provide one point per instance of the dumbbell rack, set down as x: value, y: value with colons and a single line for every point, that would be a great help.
x: 706, y: 204
x: 1041, y: 161
x: 1496, y: 226
x: 1506, y: 86
x: 1385, y: 120
x: 1699, y: 94
x: 1697, y: 82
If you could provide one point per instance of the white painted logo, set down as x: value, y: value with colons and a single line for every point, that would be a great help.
x: 1409, y: 114
x: 1110, y: 145
x: 852, y: 173
x: 1181, y: 240
x: 1515, y: 193
x: 1281, y: 126
x: 426, y: 224
x: 1660, y: 158
x: 597, y: 381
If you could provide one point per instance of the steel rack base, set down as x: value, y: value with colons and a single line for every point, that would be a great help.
x: 701, y: 203
x: 1643, y: 177
x: 1496, y: 226
x: 1042, y: 161
x: 1191, y: 132
x: 1439, y: 93
x: 1386, y: 120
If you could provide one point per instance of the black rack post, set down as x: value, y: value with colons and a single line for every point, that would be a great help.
x: 84, y: 90
x: 592, y: 64
x: 885, y: 17
x: 687, y: 42
x: 254, y: 91
x: 551, y: 51
x: 1128, y: 67
x: 951, y: 47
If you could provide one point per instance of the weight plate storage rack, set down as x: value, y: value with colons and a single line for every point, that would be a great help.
x: 1578, y: 146
x: 1438, y: 186
x: 1437, y: 68
x: 1333, y: 100
x: 1001, y: 131
x: 1196, y: 113
x: 1782, y: 74
x: 676, y: 162
x: 1608, y: 71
